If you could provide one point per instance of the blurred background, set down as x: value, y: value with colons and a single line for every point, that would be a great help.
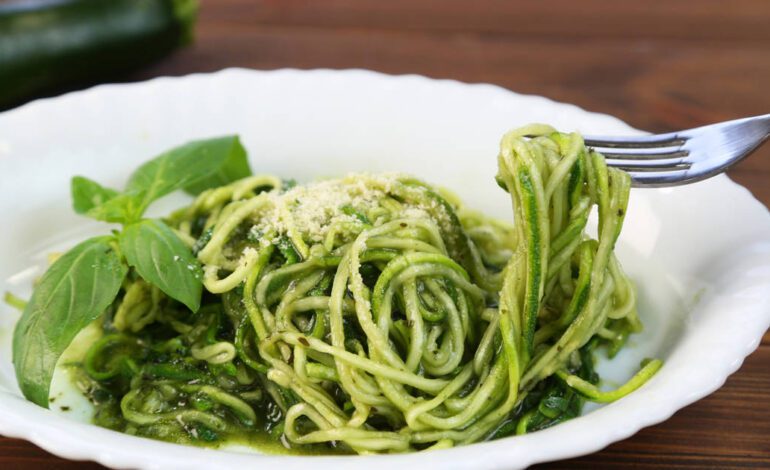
x: 659, y: 65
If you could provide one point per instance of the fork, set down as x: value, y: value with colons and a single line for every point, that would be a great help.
x: 683, y: 157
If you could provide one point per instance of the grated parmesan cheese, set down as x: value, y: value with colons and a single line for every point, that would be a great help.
x: 313, y: 209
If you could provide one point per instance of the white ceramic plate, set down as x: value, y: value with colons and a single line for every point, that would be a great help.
x: 699, y: 254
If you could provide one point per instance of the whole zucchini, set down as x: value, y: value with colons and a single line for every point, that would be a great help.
x: 49, y: 44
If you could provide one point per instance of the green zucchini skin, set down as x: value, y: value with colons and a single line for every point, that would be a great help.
x: 55, y: 43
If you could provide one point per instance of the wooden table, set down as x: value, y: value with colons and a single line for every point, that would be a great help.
x: 658, y: 65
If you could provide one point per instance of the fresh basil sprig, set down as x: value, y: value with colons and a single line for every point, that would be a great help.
x: 80, y: 285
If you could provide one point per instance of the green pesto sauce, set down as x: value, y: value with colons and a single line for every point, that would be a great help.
x: 265, y: 436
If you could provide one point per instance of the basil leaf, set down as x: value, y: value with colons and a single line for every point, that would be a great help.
x: 234, y: 167
x: 162, y: 259
x: 74, y: 291
x: 197, y: 166
x: 87, y: 194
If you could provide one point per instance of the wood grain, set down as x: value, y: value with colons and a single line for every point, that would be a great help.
x: 658, y: 65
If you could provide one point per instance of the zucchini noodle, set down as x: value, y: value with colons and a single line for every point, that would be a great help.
x: 376, y: 313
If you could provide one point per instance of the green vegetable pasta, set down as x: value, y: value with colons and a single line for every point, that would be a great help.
x: 366, y: 314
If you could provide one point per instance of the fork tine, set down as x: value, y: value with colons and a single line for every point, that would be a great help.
x: 672, y: 139
x: 653, y: 179
x: 650, y: 165
x: 643, y: 153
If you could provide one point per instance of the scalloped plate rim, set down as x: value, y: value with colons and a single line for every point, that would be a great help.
x: 17, y: 413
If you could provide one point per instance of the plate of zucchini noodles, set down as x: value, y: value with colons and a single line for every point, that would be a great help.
x: 346, y: 268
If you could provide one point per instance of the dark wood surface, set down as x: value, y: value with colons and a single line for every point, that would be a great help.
x: 658, y: 65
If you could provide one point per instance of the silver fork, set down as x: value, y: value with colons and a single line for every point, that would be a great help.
x: 686, y: 156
